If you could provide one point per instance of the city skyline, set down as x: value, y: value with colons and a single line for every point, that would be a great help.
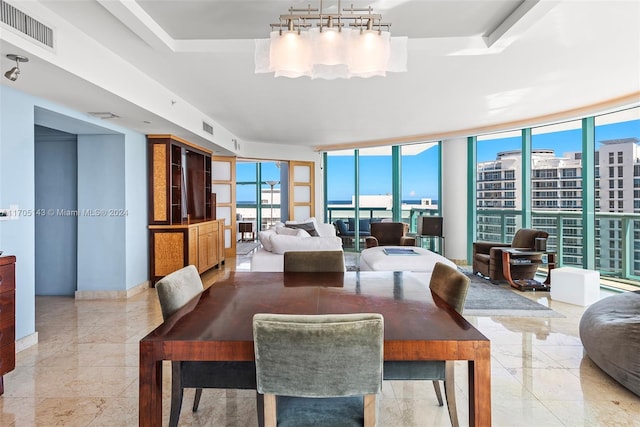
x: 420, y: 174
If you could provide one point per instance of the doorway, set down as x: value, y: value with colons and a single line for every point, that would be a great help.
x: 56, y: 212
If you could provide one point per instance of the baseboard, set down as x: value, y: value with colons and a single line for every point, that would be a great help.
x: 459, y: 261
x: 26, y: 342
x: 87, y: 295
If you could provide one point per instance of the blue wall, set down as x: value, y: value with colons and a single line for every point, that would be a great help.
x: 112, y: 249
x: 56, y: 195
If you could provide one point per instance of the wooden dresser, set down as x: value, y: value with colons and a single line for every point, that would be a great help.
x: 7, y: 316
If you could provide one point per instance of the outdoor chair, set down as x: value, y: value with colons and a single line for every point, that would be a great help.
x: 487, y: 256
x: 314, y: 261
x: 389, y: 234
x: 451, y: 286
x: 319, y: 369
x: 174, y: 292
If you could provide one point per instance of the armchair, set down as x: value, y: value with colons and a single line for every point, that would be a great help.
x: 487, y: 256
x: 389, y: 234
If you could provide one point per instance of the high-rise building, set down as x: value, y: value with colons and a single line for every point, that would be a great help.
x: 556, y: 199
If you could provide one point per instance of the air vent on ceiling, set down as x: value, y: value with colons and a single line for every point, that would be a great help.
x: 207, y: 128
x: 104, y: 115
x: 24, y: 23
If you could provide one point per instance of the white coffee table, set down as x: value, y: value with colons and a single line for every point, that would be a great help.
x: 374, y: 259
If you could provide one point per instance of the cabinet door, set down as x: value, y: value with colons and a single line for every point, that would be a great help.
x: 159, y: 184
x: 193, y: 247
x: 169, y: 251
x: 220, y: 240
x: 207, y: 247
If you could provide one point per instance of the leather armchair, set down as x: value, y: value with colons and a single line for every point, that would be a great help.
x: 487, y: 256
x: 389, y: 234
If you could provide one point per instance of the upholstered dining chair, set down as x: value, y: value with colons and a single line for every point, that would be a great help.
x: 314, y: 261
x: 319, y: 369
x: 451, y: 286
x: 174, y: 292
x: 389, y: 234
x: 487, y: 256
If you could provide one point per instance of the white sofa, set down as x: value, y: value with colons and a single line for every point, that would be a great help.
x: 292, y: 236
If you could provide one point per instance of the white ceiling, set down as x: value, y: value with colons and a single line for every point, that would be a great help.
x: 471, y: 64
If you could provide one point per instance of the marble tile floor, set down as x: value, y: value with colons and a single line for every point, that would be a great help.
x: 83, y: 372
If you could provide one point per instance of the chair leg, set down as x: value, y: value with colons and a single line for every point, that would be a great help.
x: 436, y: 387
x: 196, y: 400
x: 450, y: 392
x: 176, y: 394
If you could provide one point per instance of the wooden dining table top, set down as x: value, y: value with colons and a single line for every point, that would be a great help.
x: 222, y: 315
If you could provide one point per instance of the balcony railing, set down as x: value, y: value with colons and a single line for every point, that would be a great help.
x: 618, y: 255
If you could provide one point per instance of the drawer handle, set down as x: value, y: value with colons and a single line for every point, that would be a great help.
x: 0, y: 279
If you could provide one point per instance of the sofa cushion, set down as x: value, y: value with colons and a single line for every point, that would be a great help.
x: 265, y: 238
x: 325, y: 230
x: 282, y: 243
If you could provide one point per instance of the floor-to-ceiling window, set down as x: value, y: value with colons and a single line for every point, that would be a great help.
x: 499, y: 186
x: 420, y: 178
x: 556, y: 188
x: 617, y: 168
x: 258, y: 192
x: 382, y: 184
x: 246, y: 191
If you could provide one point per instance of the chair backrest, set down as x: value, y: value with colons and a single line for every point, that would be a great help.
x: 450, y: 284
x: 388, y: 233
x: 526, y: 238
x: 314, y: 261
x: 177, y: 289
x: 331, y: 355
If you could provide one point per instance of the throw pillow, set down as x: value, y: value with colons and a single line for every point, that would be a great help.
x: 287, y: 231
x: 309, y: 227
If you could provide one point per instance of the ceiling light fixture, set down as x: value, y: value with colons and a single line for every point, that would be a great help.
x: 14, y: 72
x: 317, y: 44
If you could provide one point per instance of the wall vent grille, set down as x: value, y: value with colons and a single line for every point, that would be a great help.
x: 207, y: 128
x: 24, y: 23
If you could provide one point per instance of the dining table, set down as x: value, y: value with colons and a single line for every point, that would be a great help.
x: 217, y: 325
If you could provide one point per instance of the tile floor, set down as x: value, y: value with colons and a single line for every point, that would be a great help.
x: 83, y: 372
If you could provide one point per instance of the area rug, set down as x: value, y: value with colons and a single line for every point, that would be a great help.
x: 486, y: 299
x: 243, y: 248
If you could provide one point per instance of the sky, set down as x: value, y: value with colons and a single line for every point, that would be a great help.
x: 420, y: 172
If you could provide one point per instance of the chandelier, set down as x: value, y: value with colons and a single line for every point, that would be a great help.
x: 314, y: 43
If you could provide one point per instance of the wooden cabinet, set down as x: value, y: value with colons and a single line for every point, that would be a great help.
x: 7, y: 317
x: 176, y: 246
x: 179, y: 181
x: 182, y: 224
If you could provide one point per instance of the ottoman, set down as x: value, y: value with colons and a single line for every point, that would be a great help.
x: 610, y: 334
x: 375, y: 259
x: 575, y: 285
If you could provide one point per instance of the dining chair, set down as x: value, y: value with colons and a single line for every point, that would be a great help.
x: 319, y: 369
x: 314, y: 261
x: 452, y: 287
x: 174, y: 292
